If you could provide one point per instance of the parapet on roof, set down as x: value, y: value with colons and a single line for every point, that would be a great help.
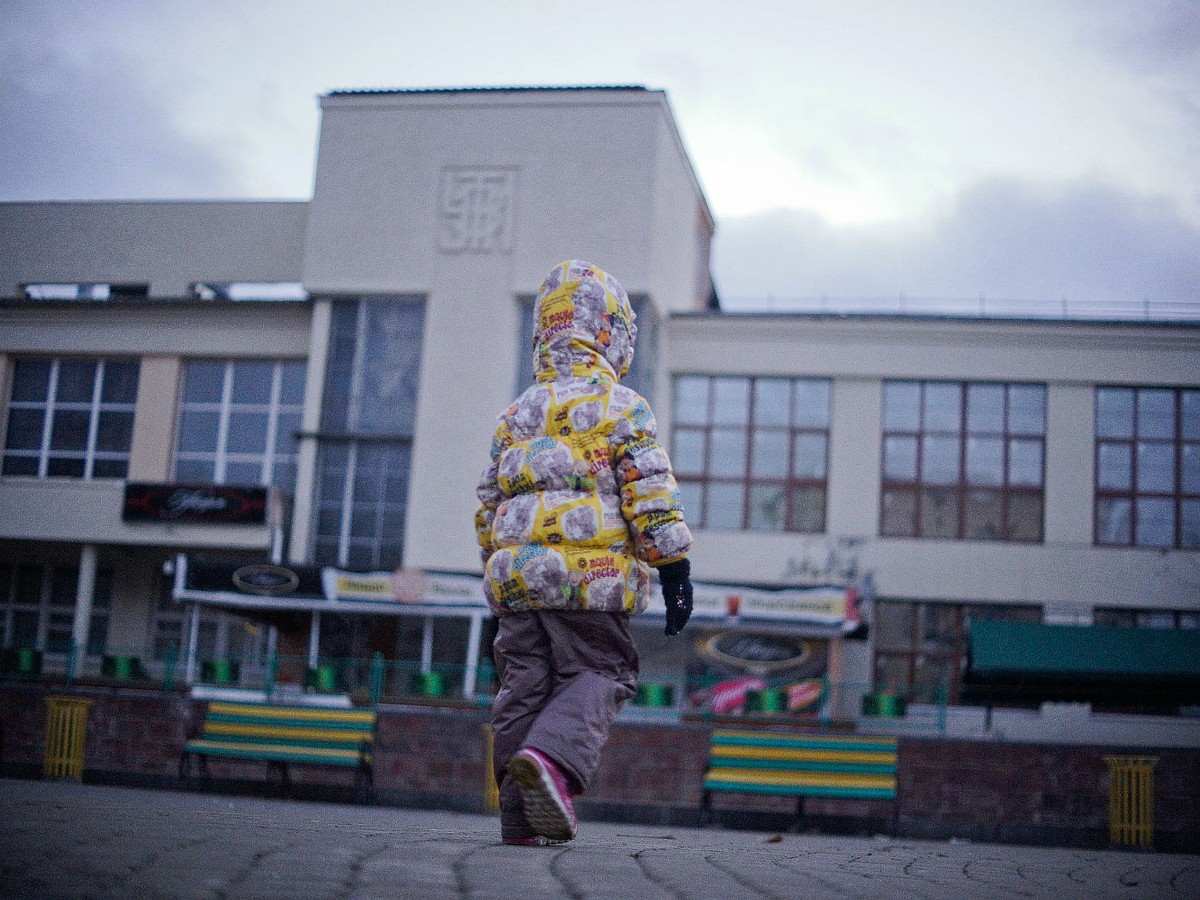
x: 490, y: 90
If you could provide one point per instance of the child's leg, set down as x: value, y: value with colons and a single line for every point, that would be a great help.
x: 595, y: 669
x: 522, y: 654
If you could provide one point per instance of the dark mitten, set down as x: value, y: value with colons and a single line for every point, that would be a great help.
x: 677, y: 593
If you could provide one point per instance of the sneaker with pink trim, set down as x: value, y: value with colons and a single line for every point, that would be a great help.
x: 544, y: 793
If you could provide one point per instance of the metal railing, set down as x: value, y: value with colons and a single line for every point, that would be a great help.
x: 980, y: 307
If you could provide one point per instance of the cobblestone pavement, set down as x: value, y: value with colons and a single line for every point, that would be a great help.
x: 71, y: 840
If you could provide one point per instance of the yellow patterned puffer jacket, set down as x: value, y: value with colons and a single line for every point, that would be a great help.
x: 579, y: 499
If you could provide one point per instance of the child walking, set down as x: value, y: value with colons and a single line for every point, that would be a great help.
x: 578, y: 504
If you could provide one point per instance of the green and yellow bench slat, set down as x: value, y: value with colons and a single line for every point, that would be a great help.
x: 333, y: 756
x: 252, y: 740
x: 766, y: 762
x: 333, y: 718
x: 285, y: 732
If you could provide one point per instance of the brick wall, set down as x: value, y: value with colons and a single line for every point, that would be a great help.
x: 649, y: 772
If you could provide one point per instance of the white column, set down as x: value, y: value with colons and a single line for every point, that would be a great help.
x: 472, y: 655
x: 306, y: 458
x: 314, y: 639
x: 189, y: 673
x: 427, y: 646
x: 84, y: 592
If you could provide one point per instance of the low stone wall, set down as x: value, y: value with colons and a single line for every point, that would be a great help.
x: 650, y: 772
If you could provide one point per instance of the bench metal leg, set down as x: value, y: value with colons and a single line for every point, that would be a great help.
x: 285, y: 780
x: 706, y: 812
x: 798, y: 820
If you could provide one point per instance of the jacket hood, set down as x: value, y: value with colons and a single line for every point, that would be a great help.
x: 582, y: 324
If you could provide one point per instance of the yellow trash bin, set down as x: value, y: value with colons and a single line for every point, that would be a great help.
x: 66, y: 733
x: 491, y: 791
x: 1131, y: 800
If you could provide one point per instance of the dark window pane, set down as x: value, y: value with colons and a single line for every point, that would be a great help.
x: 114, y: 431
x: 808, y: 509
x: 1027, y: 409
x: 985, y: 461
x: 286, y: 429
x: 1156, y: 467
x: 727, y: 452
x: 687, y: 452
x: 767, y: 507
x: 1114, y: 412
x: 120, y: 382
x: 808, y: 456
x: 901, y: 405
x: 1190, y: 468
x: 731, y: 401
x: 691, y: 400
x: 769, y: 455
x: 1114, y: 467
x: 25, y: 429
x: 76, y: 378
x: 1025, y: 463
x: 772, y: 398
x: 900, y: 458
x: 985, y: 407
x: 110, y: 468
x: 1190, y: 513
x: 247, y: 433
x: 243, y: 472
x: 894, y: 626
x: 1114, y: 520
x: 1190, y: 413
x: 983, y: 516
x: 810, y: 407
x: 69, y: 430
x: 939, y: 459
x: 891, y: 673
x: 1155, y: 413
x: 198, y: 432
x: 252, y: 382
x: 65, y: 467
x: 31, y: 380
x: 1155, y: 522
x: 939, y: 513
x: 20, y: 465
x: 204, y: 382
x: 899, y: 513
x: 725, y: 504
x: 292, y: 385
x: 1025, y: 517
x: 943, y: 407
x: 690, y: 496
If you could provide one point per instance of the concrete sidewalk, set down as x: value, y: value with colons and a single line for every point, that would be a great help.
x: 71, y: 840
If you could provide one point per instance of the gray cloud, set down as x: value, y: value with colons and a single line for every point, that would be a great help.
x: 83, y: 126
x: 1003, y: 239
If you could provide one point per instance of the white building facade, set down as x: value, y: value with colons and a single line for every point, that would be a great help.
x: 349, y: 354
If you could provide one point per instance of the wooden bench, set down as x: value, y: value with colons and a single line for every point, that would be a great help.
x: 279, y: 735
x: 800, y: 765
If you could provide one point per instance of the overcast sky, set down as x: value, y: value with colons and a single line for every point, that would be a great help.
x: 1025, y: 149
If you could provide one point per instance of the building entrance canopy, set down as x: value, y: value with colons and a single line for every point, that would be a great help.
x: 271, y: 591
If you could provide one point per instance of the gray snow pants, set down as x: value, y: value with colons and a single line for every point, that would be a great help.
x: 564, y: 674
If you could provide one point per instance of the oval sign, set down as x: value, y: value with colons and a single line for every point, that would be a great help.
x: 265, y: 580
x: 760, y: 652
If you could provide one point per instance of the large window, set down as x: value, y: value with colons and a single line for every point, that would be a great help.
x: 921, y: 648
x: 1128, y: 617
x: 1148, y: 467
x: 37, y: 607
x: 238, y: 422
x: 752, y: 453
x: 963, y: 460
x: 70, y: 418
x: 367, y: 423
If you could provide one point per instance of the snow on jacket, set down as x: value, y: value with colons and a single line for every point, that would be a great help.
x: 579, y: 499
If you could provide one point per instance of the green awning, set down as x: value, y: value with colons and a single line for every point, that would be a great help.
x: 1067, y: 652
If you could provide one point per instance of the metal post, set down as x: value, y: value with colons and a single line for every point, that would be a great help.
x: 427, y: 646
x: 85, y: 590
x: 314, y: 639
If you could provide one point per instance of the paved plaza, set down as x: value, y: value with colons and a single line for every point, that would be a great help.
x: 69, y: 840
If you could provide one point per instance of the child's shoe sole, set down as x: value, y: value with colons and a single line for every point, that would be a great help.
x: 544, y: 794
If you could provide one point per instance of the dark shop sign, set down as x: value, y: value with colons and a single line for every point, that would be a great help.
x: 208, y: 503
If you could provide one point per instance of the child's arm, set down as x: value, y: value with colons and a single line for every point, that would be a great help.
x: 489, y: 493
x: 649, y: 494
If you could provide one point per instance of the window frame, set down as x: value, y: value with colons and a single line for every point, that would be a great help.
x: 962, y: 487
x: 790, y: 483
x: 51, y: 406
x: 271, y: 459
x: 1177, y: 497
